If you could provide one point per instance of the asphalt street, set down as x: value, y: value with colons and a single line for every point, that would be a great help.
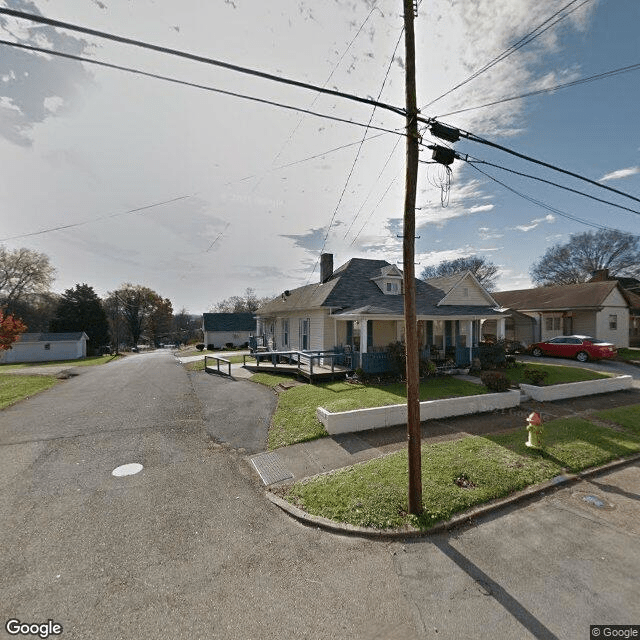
x: 190, y: 548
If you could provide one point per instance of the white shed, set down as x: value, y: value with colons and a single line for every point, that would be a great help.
x: 42, y: 347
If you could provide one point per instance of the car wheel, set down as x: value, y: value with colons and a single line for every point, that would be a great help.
x: 582, y: 356
x: 537, y: 352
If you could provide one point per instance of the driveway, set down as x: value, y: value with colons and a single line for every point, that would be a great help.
x: 613, y: 367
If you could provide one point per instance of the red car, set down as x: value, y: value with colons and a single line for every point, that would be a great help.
x: 582, y: 348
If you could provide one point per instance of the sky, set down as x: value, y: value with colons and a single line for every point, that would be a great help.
x: 200, y: 196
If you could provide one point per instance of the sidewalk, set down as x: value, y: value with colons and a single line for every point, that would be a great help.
x: 298, y: 461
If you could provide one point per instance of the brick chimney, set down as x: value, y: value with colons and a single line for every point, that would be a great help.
x: 326, y: 266
x: 600, y: 275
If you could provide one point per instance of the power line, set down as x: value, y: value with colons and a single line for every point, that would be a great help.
x: 573, y: 83
x: 79, y: 224
x: 475, y: 161
x: 191, y: 84
x: 474, y: 138
x: 326, y: 82
x: 355, y: 160
x: 314, y: 157
x: 532, y: 35
x: 542, y: 204
x: 196, y: 58
x: 373, y: 211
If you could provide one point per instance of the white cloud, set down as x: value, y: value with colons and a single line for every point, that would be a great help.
x: 620, y: 173
x: 535, y: 223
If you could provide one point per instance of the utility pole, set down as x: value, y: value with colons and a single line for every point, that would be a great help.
x: 408, y: 253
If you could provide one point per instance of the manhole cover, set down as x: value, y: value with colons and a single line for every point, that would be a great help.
x: 594, y: 500
x: 127, y: 470
x: 270, y: 468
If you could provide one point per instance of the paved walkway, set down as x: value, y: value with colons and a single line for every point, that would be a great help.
x: 298, y: 461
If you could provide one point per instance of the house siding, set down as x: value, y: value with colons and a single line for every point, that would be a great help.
x: 475, y: 297
x: 36, y: 352
x: 219, y: 338
x: 584, y: 323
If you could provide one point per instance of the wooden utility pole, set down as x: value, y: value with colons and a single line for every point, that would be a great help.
x: 408, y: 253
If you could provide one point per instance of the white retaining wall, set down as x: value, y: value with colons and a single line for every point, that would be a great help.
x: 378, y: 417
x: 576, y: 389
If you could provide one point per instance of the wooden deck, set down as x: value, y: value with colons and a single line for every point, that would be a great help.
x: 297, y: 363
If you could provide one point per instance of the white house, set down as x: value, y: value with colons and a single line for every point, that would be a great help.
x: 599, y: 309
x: 42, y: 347
x: 360, y: 306
x: 220, y: 329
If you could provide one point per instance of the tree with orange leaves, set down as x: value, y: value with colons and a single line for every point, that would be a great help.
x: 10, y: 329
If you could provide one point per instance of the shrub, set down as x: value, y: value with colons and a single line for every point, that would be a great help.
x: 427, y: 368
x: 492, y: 354
x: 229, y: 345
x: 211, y: 347
x: 200, y: 346
x: 495, y: 381
x: 397, y: 357
x: 535, y: 376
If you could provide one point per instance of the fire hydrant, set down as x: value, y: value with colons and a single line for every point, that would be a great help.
x: 535, y: 429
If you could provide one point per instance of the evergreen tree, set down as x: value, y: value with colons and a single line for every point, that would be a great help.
x: 80, y: 309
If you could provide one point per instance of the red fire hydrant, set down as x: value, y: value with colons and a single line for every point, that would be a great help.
x: 535, y: 429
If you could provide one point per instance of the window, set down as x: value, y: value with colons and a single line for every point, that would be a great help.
x: 549, y: 324
x: 285, y: 333
x: 47, y: 346
x: 553, y: 324
x: 557, y: 324
x: 392, y: 287
x: 465, y: 292
x: 613, y: 322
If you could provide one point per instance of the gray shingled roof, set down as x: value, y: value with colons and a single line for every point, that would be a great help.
x: 229, y: 321
x: 568, y: 296
x: 71, y: 336
x: 350, y: 289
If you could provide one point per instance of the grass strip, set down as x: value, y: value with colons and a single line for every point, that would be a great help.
x: 295, y: 417
x: 557, y: 374
x: 14, y: 388
x: 374, y: 493
x: 84, y: 362
x: 628, y: 417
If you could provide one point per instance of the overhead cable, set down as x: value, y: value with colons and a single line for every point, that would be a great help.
x: 564, y: 85
x: 475, y: 161
x: 544, y: 205
x: 196, y: 58
x: 529, y: 37
x: 195, y: 85
x: 475, y: 138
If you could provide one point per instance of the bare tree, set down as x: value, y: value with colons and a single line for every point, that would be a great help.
x: 576, y: 260
x: 485, y: 271
x: 136, y: 308
x: 241, y: 304
x: 23, y: 272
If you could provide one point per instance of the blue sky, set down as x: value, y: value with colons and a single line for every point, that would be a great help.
x: 83, y: 144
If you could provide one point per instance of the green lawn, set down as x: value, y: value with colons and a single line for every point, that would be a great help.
x: 629, y: 355
x: 558, y: 374
x: 17, y: 387
x: 374, y: 493
x: 85, y: 362
x: 295, y: 418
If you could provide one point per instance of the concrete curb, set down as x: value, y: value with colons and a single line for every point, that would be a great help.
x: 457, y: 520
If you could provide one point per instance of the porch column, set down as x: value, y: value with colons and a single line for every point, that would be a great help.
x: 500, y: 328
x: 470, y: 345
x: 363, y: 335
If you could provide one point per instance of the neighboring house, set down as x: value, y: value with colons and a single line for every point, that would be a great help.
x: 359, y: 308
x: 220, y: 329
x: 599, y: 309
x: 41, y: 347
x: 631, y: 291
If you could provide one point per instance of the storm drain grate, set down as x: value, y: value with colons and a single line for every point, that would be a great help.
x: 270, y: 468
